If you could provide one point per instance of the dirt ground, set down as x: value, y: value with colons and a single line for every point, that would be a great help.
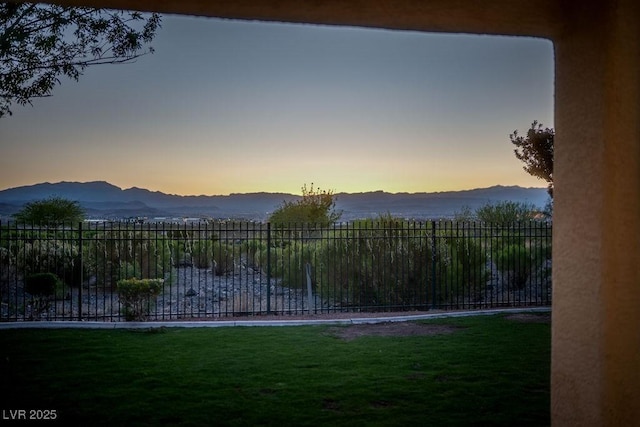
x: 403, y: 329
x: 388, y: 329
x: 530, y: 317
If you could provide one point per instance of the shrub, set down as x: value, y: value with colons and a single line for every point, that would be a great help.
x: 315, y: 208
x: 136, y: 296
x: 195, y: 253
x: 223, y: 259
x: 516, y: 262
x: 51, y: 212
x: 121, y: 253
x: 505, y: 212
x: 37, y: 253
x: 461, y: 267
x: 375, y: 264
x: 41, y: 286
x: 254, y: 250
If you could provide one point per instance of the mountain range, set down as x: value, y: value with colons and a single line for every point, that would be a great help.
x: 106, y: 201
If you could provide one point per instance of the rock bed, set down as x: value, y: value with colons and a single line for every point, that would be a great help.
x: 189, y: 293
x: 199, y: 294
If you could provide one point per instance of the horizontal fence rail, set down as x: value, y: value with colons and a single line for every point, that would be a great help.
x: 217, y: 269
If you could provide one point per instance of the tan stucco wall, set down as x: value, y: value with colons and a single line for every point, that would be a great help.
x: 596, y: 247
x: 596, y: 279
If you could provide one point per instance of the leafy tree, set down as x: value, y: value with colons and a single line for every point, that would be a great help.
x: 505, y: 212
x: 39, y: 43
x: 315, y: 207
x: 536, y: 151
x: 51, y: 212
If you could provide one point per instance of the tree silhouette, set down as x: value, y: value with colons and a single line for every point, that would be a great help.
x: 53, y: 211
x: 536, y: 151
x: 40, y: 43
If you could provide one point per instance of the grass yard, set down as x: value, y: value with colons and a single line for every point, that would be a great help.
x: 484, y: 371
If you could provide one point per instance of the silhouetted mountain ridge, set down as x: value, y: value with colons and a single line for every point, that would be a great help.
x: 104, y: 200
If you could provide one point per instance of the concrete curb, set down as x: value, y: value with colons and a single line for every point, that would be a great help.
x: 247, y: 323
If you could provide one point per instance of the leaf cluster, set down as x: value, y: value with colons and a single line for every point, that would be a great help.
x: 536, y: 151
x: 50, y: 212
x: 136, y: 294
x: 39, y: 43
x: 316, y: 207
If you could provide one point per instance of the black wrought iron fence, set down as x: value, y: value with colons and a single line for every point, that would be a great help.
x: 100, y: 271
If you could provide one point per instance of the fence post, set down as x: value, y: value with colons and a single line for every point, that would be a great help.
x: 80, y: 256
x: 268, y: 268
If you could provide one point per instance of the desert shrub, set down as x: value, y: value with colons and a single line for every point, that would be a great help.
x: 315, y: 208
x: 129, y: 270
x: 402, y: 264
x: 288, y: 262
x: 376, y: 263
x: 294, y: 262
x: 516, y: 262
x: 202, y: 253
x: 186, y: 248
x: 271, y: 258
x: 254, y: 249
x: 120, y: 253
x: 460, y: 265
x: 137, y: 295
x: 223, y: 259
x: 34, y: 254
x: 41, y: 287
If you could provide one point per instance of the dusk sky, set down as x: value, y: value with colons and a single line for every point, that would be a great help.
x: 234, y: 107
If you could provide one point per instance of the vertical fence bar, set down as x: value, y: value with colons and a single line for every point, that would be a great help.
x: 433, y: 265
x: 80, y: 258
x: 268, y: 268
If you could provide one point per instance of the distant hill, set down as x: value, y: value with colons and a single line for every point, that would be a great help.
x: 103, y: 200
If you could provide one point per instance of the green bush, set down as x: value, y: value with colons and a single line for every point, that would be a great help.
x: 505, y: 212
x: 254, y: 250
x: 202, y: 253
x: 37, y: 252
x: 316, y: 208
x: 137, y: 295
x: 516, y: 262
x: 461, y: 262
x: 374, y: 264
x: 398, y: 263
x: 41, y: 286
x: 223, y: 259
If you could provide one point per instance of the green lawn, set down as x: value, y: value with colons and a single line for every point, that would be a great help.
x: 490, y: 372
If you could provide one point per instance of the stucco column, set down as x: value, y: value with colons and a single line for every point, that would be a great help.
x: 595, y: 378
